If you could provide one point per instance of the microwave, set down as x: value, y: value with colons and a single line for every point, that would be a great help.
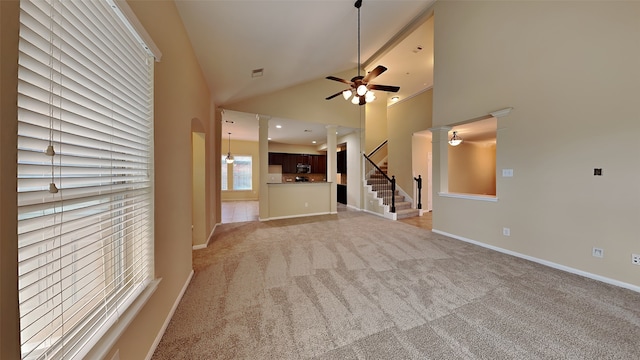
x: 303, y: 169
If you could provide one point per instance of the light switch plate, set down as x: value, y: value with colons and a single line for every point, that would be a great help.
x: 507, y: 172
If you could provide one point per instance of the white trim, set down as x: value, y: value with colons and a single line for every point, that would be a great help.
x: 501, y: 112
x: 545, y: 262
x: 205, y: 245
x: 489, y: 198
x: 139, y: 31
x: 169, y: 316
x: 353, y: 207
x: 386, y: 215
x: 410, y: 96
x: 297, y: 216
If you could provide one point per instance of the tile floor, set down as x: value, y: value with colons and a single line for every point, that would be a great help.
x: 241, y: 211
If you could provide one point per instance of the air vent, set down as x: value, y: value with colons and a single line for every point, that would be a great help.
x: 257, y: 73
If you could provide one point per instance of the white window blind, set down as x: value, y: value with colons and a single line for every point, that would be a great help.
x: 85, y: 251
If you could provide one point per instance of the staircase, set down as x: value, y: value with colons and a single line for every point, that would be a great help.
x: 404, y: 209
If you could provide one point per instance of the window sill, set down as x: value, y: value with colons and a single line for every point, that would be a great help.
x: 489, y: 198
x: 106, y: 342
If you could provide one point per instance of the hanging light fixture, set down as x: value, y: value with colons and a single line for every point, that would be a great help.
x: 359, y: 91
x: 455, y: 139
x: 229, y: 159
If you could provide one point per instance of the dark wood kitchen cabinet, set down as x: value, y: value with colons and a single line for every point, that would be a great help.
x: 319, y: 164
x: 290, y: 162
x: 276, y: 158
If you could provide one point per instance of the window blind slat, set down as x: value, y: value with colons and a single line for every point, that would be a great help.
x: 85, y: 87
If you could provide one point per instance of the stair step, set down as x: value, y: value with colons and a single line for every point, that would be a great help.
x: 403, y: 205
x: 386, y: 193
x: 381, y: 187
x: 377, y: 181
x: 407, y: 213
x: 377, y: 176
x: 387, y: 199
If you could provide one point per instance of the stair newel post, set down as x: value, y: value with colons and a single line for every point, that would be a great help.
x: 419, y: 181
x: 393, y: 193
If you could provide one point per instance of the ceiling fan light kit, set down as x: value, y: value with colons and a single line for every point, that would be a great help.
x: 361, y: 84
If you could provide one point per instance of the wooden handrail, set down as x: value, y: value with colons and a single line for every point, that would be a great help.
x: 378, y: 148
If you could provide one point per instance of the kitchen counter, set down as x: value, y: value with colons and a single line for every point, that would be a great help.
x: 303, y: 198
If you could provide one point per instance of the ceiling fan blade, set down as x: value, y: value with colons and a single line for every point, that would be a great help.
x: 374, y: 73
x: 338, y: 79
x: 384, y: 87
x: 334, y: 95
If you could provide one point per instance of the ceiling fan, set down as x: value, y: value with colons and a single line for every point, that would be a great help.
x: 360, y: 86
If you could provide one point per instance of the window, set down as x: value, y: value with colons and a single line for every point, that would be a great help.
x: 224, y: 173
x: 85, y: 175
x: 242, y: 173
x: 472, y: 163
x: 239, y: 172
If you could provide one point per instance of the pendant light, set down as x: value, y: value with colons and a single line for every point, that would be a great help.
x: 455, y: 139
x: 229, y: 159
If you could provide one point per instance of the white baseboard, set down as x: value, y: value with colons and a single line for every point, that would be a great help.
x: 297, y: 216
x: 386, y: 215
x: 545, y: 262
x: 204, y: 246
x: 353, y: 207
x: 169, y: 316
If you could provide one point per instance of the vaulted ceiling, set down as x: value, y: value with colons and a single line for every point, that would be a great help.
x: 303, y: 40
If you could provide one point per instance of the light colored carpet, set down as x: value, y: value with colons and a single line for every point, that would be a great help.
x: 355, y: 286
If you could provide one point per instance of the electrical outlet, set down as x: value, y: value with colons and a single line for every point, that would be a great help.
x: 506, y: 231
x: 635, y: 259
x: 507, y: 172
x: 597, y: 252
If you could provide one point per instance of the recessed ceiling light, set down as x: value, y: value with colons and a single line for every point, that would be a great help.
x: 278, y: 126
x: 313, y: 142
x: 395, y: 98
x: 268, y: 138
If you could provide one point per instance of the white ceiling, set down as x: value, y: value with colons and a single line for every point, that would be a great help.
x: 303, y: 40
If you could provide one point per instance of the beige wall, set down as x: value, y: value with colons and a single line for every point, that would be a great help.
x: 405, y: 119
x: 570, y: 71
x: 375, y: 124
x: 295, y: 149
x: 472, y: 168
x: 239, y: 148
x: 199, y: 197
x: 9, y: 323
